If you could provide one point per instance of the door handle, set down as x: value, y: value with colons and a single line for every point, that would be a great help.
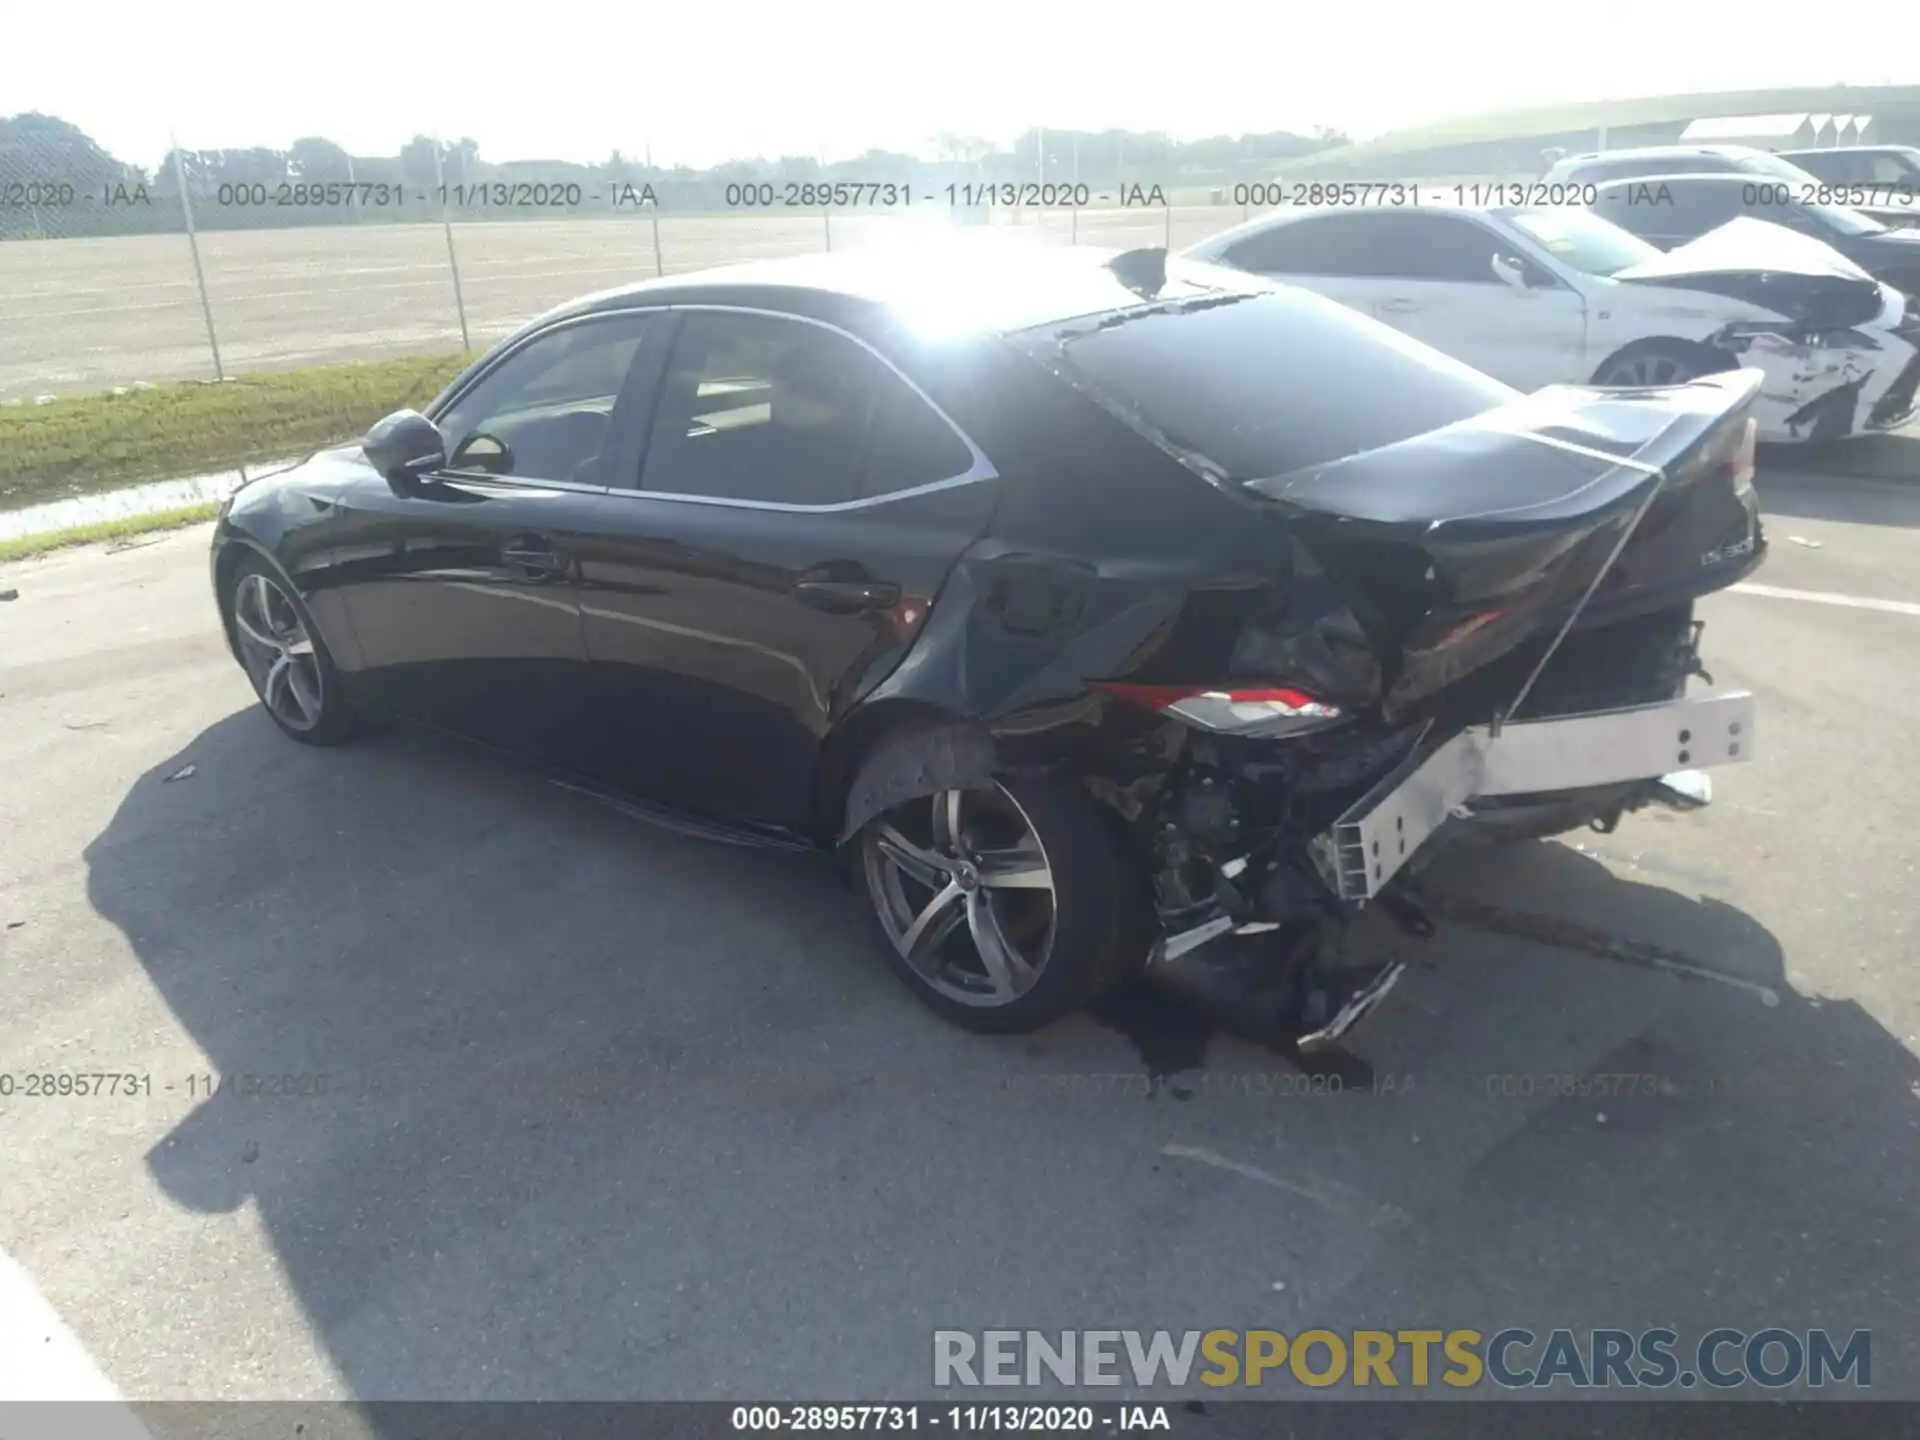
x: 1398, y: 307
x: 846, y: 597
x: 534, y: 554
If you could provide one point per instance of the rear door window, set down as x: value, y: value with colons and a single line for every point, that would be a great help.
x: 1338, y: 244
x: 1408, y: 246
x: 763, y: 408
x: 910, y: 445
x: 755, y: 407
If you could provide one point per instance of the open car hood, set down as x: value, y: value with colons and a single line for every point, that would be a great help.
x: 1461, y: 545
x: 1791, y: 275
x: 1748, y: 246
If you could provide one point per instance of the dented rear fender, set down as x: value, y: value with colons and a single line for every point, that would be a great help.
x: 1013, y: 642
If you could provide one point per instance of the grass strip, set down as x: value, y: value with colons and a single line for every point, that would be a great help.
x: 25, y: 547
x: 82, y: 444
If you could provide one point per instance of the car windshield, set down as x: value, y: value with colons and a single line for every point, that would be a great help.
x: 1590, y: 244
x: 1259, y: 385
x: 1765, y: 162
x: 1843, y: 220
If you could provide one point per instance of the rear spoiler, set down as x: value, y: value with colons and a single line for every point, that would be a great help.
x: 1487, y: 469
x: 1496, y: 508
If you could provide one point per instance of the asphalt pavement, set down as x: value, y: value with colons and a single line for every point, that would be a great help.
x: 552, y: 1104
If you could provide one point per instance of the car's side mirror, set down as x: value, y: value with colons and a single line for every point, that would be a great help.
x: 487, y: 453
x: 405, y: 445
x: 1511, y: 271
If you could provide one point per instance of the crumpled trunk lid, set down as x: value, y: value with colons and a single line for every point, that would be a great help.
x: 1459, y: 546
x: 1795, y: 276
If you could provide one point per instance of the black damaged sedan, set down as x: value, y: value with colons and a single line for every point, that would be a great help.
x: 1092, y: 607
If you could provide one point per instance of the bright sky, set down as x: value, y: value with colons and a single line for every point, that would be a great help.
x: 702, y: 82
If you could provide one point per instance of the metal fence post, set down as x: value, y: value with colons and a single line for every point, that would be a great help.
x: 826, y: 207
x: 1073, y: 234
x: 653, y: 210
x: 453, y: 260
x: 199, y: 273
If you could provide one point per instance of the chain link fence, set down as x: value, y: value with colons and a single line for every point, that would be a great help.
x: 222, y: 263
x: 341, y: 288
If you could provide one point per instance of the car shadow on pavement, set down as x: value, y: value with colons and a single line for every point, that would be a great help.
x: 1734, y: 1158
x: 536, y: 1102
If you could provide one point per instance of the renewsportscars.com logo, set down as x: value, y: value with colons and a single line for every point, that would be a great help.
x: 1514, y: 1358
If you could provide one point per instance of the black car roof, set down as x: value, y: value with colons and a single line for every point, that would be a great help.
x: 984, y: 284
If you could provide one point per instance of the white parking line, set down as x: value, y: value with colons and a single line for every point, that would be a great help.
x: 44, y: 1368
x: 1827, y: 597
x: 1325, y: 1194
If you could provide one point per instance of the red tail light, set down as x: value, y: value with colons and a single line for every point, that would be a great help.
x: 1252, y: 710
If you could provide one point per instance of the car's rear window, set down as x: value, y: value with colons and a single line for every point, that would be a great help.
x: 1254, y: 385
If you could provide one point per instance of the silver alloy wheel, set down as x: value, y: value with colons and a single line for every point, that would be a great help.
x: 1647, y: 368
x: 964, y: 891
x: 278, y: 652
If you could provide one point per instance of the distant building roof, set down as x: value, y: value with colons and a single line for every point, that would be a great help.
x: 1619, y: 114
x: 1750, y: 127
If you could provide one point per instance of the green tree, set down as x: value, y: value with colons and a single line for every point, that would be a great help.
x: 317, y: 159
x: 417, y: 162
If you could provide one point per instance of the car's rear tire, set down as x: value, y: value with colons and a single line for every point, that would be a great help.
x: 1658, y: 362
x: 285, y: 658
x: 998, y: 907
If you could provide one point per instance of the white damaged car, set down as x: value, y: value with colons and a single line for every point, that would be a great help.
x: 1540, y: 296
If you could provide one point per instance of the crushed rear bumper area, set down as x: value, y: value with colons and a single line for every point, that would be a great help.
x: 1362, y: 850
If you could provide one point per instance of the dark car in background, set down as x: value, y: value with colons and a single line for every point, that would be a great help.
x: 1671, y: 210
x: 1598, y: 167
x: 1887, y: 176
x: 1892, y: 202
x: 1089, y: 606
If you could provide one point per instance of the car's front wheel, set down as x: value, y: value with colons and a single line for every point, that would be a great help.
x: 285, y: 658
x: 997, y: 906
x: 1657, y: 362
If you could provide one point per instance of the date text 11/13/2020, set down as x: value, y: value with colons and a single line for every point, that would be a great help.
x: 561, y: 197
x: 960, y: 1419
x: 110, y: 1085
